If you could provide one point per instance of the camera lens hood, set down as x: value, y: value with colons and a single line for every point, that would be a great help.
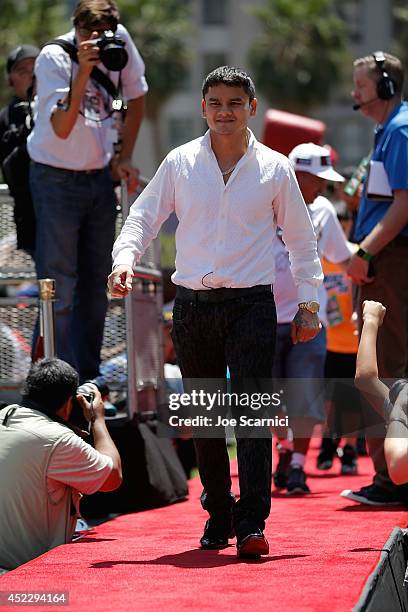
x: 114, y: 57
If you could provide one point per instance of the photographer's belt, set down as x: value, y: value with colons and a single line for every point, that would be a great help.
x: 71, y: 172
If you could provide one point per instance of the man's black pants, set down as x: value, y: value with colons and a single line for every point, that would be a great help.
x: 234, y: 327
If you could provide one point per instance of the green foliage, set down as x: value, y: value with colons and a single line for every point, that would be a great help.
x: 301, y: 55
x: 30, y: 22
x: 159, y: 29
x: 167, y: 250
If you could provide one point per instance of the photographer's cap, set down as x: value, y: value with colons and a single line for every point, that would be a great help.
x: 20, y: 53
x: 309, y: 157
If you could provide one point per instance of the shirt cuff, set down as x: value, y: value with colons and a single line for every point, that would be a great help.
x: 307, y: 293
x: 125, y: 257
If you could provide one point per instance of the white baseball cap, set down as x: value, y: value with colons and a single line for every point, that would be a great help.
x: 309, y: 157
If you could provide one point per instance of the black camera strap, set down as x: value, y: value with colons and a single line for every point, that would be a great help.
x: 96, y: 74
x: 32, y: 405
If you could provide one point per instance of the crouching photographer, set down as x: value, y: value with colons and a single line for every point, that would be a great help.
x: 46, y: 466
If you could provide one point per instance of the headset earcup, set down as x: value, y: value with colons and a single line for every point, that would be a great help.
x: 386, y: 87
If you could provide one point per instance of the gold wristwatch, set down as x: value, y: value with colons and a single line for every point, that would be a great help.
x: 311, y: 306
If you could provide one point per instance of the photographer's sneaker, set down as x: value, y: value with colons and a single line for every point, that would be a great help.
x: 373, y: 495
x: 327, y: 453
x: 280, y: 476
x: 348, y: 461
x: 297, y: 481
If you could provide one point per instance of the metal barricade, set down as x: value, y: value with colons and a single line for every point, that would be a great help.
x: 133, y: 328
x: 143, y: 307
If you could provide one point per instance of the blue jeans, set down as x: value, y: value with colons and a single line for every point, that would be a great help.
x: 75, y: 213
x: 305, y: 361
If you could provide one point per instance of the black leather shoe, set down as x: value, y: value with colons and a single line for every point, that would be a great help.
x: 253, y: 545
x: 251, y: 541
x: 215, y: 535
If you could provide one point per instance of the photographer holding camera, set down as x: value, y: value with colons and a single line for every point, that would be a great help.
x: 45, y: 465
x: 82, y: 78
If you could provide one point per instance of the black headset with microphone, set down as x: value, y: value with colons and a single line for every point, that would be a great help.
x: 386, y: 85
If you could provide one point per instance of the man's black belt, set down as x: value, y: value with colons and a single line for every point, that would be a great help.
x: 68, y: 171
x: 221, y: 294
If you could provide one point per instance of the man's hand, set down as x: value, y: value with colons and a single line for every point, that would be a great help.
x: 373, y: 312
x: 120, y: 281
x: 88, y: 54
x: 94, y: 411
x: 305, y: 326
x: 358, y: 270
x: 126, y: 171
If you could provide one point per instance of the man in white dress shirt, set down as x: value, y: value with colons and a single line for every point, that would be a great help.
x: 229, y: 192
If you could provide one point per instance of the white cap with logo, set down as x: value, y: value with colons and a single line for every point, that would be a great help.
x: 309, y: 157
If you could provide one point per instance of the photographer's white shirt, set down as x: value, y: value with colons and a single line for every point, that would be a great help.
x: 44, y: 469
x: 90, y: 144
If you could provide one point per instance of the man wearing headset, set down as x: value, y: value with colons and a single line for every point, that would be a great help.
x: 380, y: 266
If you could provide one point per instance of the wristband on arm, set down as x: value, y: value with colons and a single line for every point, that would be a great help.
x: 364, y: 255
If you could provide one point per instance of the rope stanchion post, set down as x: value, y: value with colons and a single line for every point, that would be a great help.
x: 47, y: 316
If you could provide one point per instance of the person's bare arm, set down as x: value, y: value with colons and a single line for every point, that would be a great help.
x: 103, y: 443
x: 63, y: 121
x: 366, y: 378
x: 394, y: 220
x: 133, y: 120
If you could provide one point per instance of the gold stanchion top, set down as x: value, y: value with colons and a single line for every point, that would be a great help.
x: 47, y: 288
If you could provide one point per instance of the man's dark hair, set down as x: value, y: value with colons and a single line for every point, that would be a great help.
x: 392, y: 66
x: 232, y: 77
x: 49, y: 383
x: 93, y: 13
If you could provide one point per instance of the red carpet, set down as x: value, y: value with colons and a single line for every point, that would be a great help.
x: 322, y: 549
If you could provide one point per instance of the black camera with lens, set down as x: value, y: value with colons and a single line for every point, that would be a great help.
x: 112, y: 52
x: 87, y: 390
x: 77, y: 416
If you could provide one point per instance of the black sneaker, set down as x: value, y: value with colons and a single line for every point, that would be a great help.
x: 373, y: 495
x: 348, y: 461
x: 216, y: 534
x: 280, y: 477
x: 297, y: 482
x: 327, y: 453
x: 361, y: 447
